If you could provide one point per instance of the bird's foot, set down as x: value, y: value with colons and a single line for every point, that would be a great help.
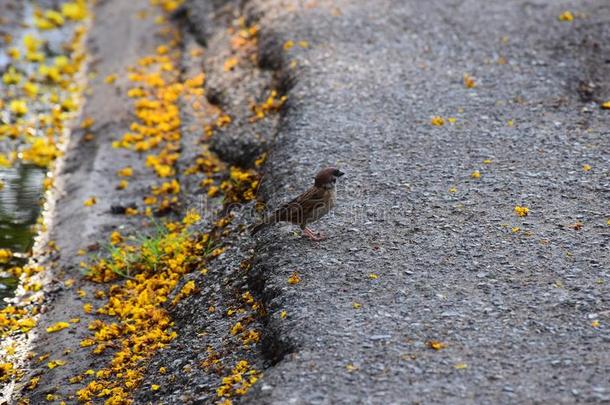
x: 314, y: 236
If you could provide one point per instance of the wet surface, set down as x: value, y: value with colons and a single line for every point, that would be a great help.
x: 19, y: 208
x: 22, y: 190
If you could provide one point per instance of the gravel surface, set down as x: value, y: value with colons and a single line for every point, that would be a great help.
x: 430, y: 288
x: 420, y: 251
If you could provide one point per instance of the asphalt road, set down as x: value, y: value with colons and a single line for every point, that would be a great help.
x: 419, y: 250
x: 430, y: 288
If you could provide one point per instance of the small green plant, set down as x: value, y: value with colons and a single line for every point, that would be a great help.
x: 165, y: 247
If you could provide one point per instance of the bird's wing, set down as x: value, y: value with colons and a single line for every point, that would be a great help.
x: 297, y: 210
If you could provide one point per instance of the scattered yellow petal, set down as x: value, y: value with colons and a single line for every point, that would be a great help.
x: 595, y: 323
x: 18, y: 107
x: 288, y: 44
x: 487, y: 161
x: 460, y: 366
x: 453, y: 190
x: 373, y: 276
x: 13, y: 53
x: 356, y: 305
x: 110, y: 79
x: 33, y: 383
x: 154, y: 387
x: 31, y: 89
x: 237, y: 328
x: 87, y: 342
x: 26, y: 324
x: 55, y: 363
x: 87, y: 123
x: 566, y: 16
x: 5, y: 255
x: 294, y: 278
x: 90, y: 202
x: 476, y: 174
x: 436, y: 345
x: 469, y: 81
x: 229, y: 64
x: 437, y: 121
x: 586, y: 167
x: 115, y: 238
x: 5, y: 161
x: 55, y: 17
x: 76, y: 379
x: 31, y: 43
x: 57, y: 327
x: 351, y: 368
x: 606, y: 105
x: 283, y: 314
x: 521, y: 211
x: 74, y: 10
x: 11, y: 77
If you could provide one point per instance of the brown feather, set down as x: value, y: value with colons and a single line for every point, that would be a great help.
x: 306, y: 208
x: 309, y: 206
x: 298, y: 211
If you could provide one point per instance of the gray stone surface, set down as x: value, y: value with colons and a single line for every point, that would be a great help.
x: 514, y: 307
x: 407, y: 260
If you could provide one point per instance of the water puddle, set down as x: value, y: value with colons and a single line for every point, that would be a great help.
x: 40, y: 84
x: 19, y: 210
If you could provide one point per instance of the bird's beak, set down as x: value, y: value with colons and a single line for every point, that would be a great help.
x: 339, y: 173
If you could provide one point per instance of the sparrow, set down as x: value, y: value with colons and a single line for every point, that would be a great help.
x: 310, y: 206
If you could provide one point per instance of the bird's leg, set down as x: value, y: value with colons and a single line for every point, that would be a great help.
x: 312, y: 236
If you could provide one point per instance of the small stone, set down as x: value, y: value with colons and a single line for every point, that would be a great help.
x: 380, y: 337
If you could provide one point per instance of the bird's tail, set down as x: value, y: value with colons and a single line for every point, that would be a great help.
x: 266, y: 221
x: 259, y: 226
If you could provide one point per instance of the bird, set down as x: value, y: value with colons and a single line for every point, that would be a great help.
x: 309, y: 207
